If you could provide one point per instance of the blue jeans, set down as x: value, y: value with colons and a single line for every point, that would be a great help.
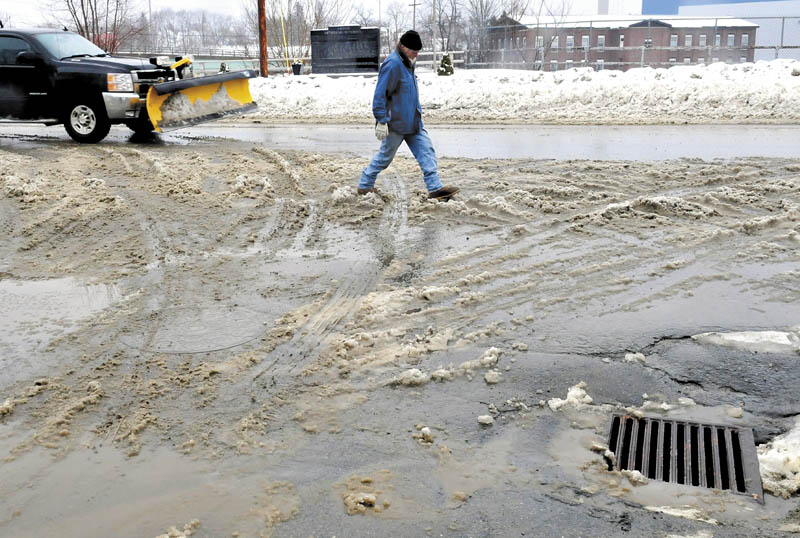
x: 420, y: 145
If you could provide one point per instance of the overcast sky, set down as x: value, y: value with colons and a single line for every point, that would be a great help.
x: 29, y: 12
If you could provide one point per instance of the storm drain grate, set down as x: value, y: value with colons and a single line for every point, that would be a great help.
x: 689, y: 453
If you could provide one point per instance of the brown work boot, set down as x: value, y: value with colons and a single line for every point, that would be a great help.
x: 443, y: 194
x: 362, y: 192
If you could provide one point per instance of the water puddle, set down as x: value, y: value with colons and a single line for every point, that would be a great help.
x: 33, y: 312
x: 196, y: 329
x: 100, y: 492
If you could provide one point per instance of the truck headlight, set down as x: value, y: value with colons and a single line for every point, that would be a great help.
x: 120, y: 82
x: 161, y: 61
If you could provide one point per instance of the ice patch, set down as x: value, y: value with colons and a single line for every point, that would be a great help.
x: 779, y: 462
x: 756, y: 341
x: 686, y: 511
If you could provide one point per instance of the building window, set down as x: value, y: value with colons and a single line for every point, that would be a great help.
x: 717, y: 40
x: 743, y: 59
x: 553, y: 65
x: 585, y: 41
x: 570, y: 42
x: 673, y: 60
x: 539, y: 41
x: 687, y: 41
x: 621, y: 41
x: 687, y: 60
x: 601, y: 42
x: 745, y: 40
x: 518, y: 42
x: 538, y: 65
x: 703, y: 38
x: 568, y: 64
x: 554, y: 43
x: 673, y: 40
x: 601, y: 64
x: 524, y: 42
x: 714, y: 60
x: 731, y: 37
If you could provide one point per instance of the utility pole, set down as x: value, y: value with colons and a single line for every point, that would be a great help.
x: 433, y: 33
x: 262, y: 38
x: 414, y: 15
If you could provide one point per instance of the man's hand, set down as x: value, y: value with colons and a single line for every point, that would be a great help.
x: 381, y: 131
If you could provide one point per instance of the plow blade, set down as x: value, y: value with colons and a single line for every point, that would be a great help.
x: 172, y: 105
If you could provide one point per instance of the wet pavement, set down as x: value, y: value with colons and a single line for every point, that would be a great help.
x: 606, y: 142
x: 220, y: 333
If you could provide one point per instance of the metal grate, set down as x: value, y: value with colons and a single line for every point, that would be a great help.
x: 689, y: 453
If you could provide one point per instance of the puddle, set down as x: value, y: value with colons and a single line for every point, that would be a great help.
x: 33, y: 312
x: 102, y: 493
x: 196, y: 329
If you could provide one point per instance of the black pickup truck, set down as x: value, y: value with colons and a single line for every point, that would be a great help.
x: 52, y: 77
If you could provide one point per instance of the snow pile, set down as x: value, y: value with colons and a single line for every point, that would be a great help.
x: 756, y: 341
x: 779, y: 462
x: 179, y: 108
x: 719, y: 92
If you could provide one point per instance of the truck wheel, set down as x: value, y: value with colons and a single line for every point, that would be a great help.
x: 141, y: 126
x: 86, y: 121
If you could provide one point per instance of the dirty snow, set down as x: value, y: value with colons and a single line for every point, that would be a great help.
x: 779, y: 462
x: 576, y: 397
x: 687, y: 512
x: 747, y: 92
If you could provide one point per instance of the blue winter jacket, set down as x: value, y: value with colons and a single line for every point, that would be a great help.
x: 396, y: 98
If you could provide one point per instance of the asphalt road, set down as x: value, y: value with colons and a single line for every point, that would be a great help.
x: 604, y: 142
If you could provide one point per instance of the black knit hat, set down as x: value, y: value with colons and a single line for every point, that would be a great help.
x: 411, y: 40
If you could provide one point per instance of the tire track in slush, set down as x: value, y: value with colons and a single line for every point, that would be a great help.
x: 314, y: 335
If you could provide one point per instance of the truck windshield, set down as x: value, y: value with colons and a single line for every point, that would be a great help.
x: 65, y: 45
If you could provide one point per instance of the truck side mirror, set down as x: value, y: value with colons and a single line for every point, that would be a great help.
x: 28, y: 57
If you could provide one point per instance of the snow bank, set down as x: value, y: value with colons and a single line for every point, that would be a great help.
x: 779, y: 462
x: 747, y: 92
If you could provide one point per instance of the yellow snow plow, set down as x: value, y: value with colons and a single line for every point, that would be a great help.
x: 180, y: 103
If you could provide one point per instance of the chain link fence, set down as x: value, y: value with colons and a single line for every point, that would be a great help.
x: 627, y: 43
x: 599, y: 43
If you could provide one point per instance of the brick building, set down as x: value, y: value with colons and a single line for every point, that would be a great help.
x: 611, y: 43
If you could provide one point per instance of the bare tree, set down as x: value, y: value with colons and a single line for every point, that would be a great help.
x: 480, y: 12
x: 107, y: 23
x: 397, y: 21
x: 516, y: 9
x: 295, y: 19
x: 364, y: 17
x: 5, y: 19
x: 450, y: 24
x: 545, y: 17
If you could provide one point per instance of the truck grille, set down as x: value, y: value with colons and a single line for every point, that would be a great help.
x: 152, y: 76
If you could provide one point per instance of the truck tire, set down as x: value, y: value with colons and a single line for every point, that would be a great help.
x: 86, y: 121
x: 141, y: 126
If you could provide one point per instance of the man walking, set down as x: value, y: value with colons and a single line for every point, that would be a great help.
x: 398, y: 113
